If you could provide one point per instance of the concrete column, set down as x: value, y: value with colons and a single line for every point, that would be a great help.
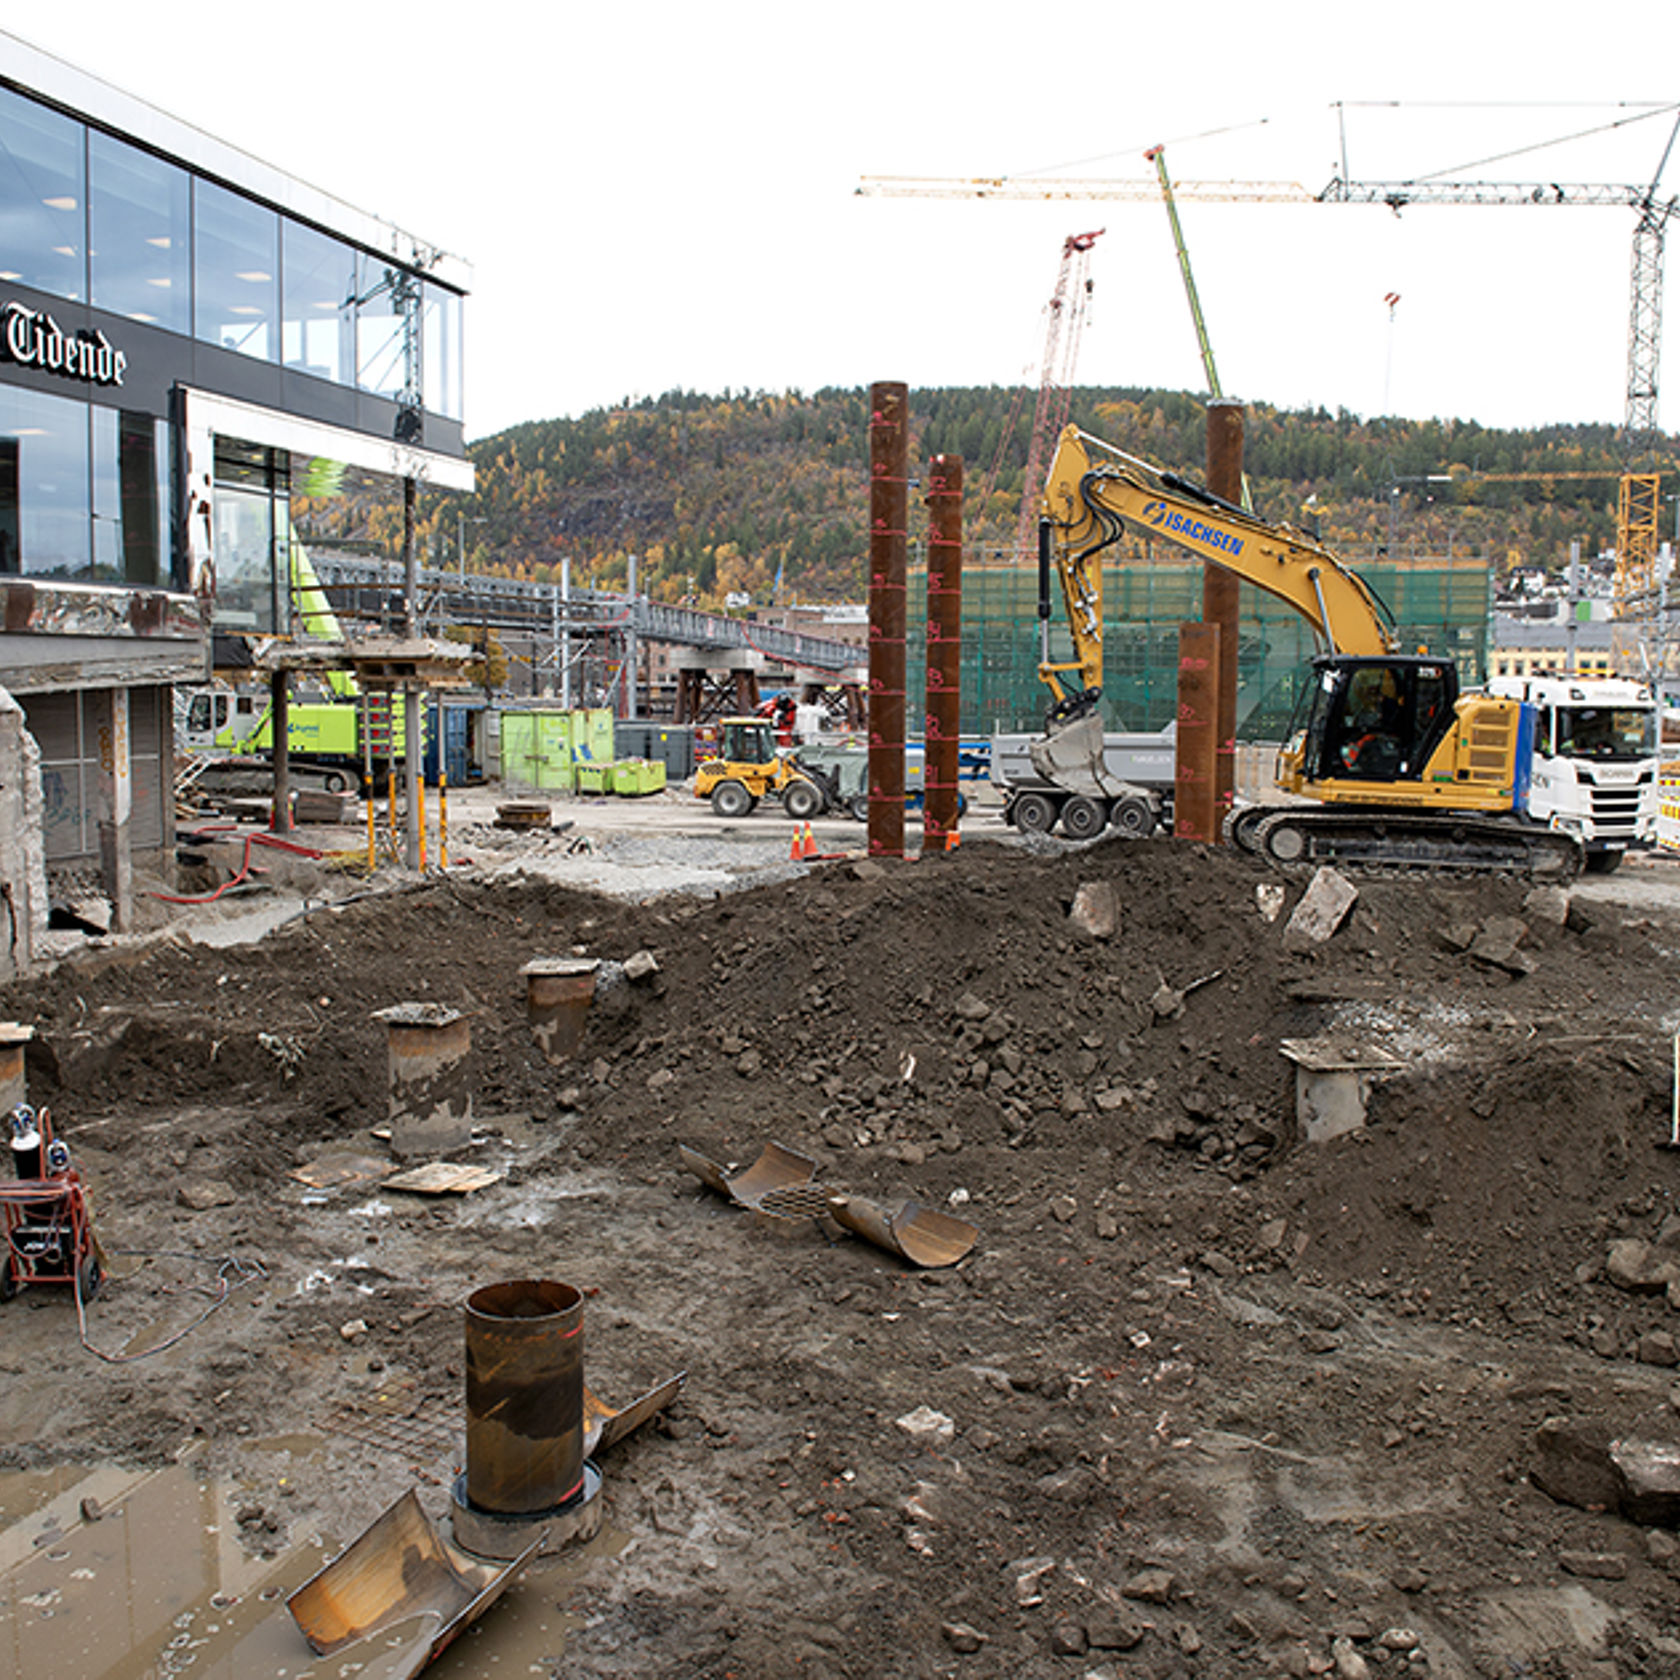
x: 23, y: 873
x: 109, y: 707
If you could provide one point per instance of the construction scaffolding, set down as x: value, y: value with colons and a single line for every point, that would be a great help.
x: 1442, y: 605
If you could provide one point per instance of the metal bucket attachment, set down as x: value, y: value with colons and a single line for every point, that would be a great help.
x: 775, y: 1169
x: 400, y: 1569
x: 1070, y: 754
x: 920, y: 1235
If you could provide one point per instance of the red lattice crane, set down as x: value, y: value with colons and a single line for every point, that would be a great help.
x: 1066, y: 324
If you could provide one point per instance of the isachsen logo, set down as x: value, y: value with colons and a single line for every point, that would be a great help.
x: 1163, y: 518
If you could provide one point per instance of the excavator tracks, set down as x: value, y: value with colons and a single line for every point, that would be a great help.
x: 1292, y: 836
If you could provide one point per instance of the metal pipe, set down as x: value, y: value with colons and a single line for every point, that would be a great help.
x: 524, y: 1396
x: 1221, y: 605
x: 889, y: 516
x: 943, y: 693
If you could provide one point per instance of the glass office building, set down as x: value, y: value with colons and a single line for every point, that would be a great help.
x: 183, y: 331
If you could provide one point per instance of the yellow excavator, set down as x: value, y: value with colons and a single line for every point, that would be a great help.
x: 1387, y: 762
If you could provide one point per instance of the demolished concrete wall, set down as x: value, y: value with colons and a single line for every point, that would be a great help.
x: 23, y: 867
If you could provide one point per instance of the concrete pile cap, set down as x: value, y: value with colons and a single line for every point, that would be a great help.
x: 553, y: 967
x: 14, y: 1033
x: 418, y: 1015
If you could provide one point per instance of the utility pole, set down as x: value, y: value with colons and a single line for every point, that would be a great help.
x: 411, y: 695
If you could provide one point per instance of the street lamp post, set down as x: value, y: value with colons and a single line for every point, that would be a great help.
x: 461, y: 524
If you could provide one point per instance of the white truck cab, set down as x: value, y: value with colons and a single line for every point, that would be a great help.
x: 1596, y: 759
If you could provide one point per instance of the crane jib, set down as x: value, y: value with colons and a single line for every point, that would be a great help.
x: 1164, y: 518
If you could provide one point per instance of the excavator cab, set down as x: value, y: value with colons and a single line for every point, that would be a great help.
x: 1375, y: 719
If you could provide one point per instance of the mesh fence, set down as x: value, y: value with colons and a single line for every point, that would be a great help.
x: 1441, y: 605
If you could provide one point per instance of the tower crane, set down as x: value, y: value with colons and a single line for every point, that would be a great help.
x: 1640, y: 497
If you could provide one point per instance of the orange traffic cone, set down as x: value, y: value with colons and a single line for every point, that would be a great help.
x: 809, y: 844
x: 797, y: 850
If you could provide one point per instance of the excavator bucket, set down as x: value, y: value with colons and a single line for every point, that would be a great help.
x: 1070, y: 754
x: 402, y: 1578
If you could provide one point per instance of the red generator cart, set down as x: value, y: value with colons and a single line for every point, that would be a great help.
x: 48, y: 1235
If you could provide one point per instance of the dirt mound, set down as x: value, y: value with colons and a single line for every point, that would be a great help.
x: 1293, y: 1381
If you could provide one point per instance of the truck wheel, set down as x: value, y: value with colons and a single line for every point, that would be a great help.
x: 1132, y: 818
x: 1083, y: 819
x: 858, y: 805
x: 732, y: 800
x: 802, y: 800
x: 1035, y: 813
x: 1604, y: 863
x: 336, y: 781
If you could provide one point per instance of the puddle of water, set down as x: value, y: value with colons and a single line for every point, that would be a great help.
x: 160, y: 1586
x: 525, y: 1630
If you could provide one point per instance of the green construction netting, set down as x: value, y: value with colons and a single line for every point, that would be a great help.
x: 1442, y: 607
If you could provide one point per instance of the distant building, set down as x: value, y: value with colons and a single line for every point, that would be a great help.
x: 1528, y: 647
x: 188, y: 338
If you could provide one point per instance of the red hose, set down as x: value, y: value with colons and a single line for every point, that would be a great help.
x: 253, y: 839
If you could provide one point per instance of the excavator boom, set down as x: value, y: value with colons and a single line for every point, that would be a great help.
x: 1093, y: 487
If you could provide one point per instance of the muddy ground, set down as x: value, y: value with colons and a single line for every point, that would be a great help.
x: 1221, y: 1402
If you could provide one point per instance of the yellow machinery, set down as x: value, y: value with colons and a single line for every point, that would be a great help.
x: 748, y: 767
x: 1399, y: 766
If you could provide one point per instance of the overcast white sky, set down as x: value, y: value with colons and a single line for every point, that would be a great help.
x: 660, y: 195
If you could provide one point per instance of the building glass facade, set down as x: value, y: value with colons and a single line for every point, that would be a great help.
x: 182, y: 330
x: 89, y: 218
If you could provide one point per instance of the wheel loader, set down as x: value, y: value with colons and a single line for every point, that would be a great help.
x: 749, y: 767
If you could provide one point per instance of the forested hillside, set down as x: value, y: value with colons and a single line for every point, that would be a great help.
x: 727, y: 493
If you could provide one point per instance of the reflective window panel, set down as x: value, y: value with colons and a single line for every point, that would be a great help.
x: 130, y: 499
x: 318, y: 304
x: 442, y: 350
x: 236, y: 268
x: 139, y: 234
x: 44, y: 512
x: 43, y: 198
x: 383, y: 293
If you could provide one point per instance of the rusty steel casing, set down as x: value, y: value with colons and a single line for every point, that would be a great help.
x: 943, y: 696
x: 524, y: 1396
x: 889, y: 519
x: 558, y: 995
x: 1221, y: 605
x: 1195, y: 810
x: 428, y: 1060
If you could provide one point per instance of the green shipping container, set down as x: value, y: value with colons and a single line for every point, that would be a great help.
x: 536, y: 749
